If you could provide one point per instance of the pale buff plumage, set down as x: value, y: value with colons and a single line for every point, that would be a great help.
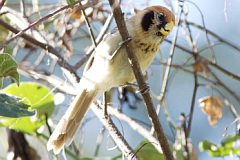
x: 104, y: 71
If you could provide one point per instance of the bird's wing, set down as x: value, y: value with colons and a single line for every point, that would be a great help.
x: 106, y: 49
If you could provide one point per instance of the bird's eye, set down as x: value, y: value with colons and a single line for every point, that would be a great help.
x: 161, y: 16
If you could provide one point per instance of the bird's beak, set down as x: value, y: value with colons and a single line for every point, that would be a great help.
x: 167, y: 29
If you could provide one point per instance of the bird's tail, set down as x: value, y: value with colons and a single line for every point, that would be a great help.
x: 69, y: 123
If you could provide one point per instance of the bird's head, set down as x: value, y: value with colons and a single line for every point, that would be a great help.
x: 156, y: 20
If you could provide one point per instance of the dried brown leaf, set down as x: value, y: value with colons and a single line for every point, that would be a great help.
x: 213, y: 107
x: 201, y: 65
x: 198, y: 67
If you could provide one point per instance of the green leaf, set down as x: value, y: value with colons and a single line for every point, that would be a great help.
x: 226, y: 148
x: 70, y: 1
x: 147, y: 151
x: 10, y: 106
x: 8, y: 67
x: 9, y: 110
x: 40, y: 98
x: 11, y: 99
x: 230, y: 141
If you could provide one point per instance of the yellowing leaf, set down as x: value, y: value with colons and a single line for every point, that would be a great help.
x: 198, y: 67
x: 213, y: 107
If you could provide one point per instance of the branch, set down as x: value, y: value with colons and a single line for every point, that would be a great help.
x: 98, y: 40
x: 88, y: 26
x: 141, y: 83
x: 228, y: 73
x: 206, y: 32
x: 169, y: 62
x: 195, y: 52
x: 186, y: 153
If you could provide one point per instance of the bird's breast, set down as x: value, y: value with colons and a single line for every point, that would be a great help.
x: 147, y: 48
x: 145, y: 53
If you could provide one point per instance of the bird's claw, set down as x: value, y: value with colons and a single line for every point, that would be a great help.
x: 144, y: 90
x: 120, y: 45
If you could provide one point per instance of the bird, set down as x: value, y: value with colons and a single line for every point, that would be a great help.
x: 109, y: 67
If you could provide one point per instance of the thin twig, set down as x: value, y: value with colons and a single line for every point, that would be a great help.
x: 140, y: 80
x: 169, y: 62
x: 88, y: 25
x: 99, y: 141
x: 219, y: 82
x: 114, y: 132
x: 135, y: 126
x: 166, y: 75
x: 98, y: 40
x: 23, y: 8
x: 192, y: 104
x: 185, y: 143
x: 195, y: 54
x: 228, y: 73
x: 206, y: 32
x: 47, y: 124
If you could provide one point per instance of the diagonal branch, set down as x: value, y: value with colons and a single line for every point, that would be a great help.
x: 98, y: 40
x: 140, y: 80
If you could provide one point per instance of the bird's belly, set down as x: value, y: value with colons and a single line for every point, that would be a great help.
x: 105, y: 74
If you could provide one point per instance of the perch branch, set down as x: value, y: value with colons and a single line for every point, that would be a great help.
x: 140, y: 80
